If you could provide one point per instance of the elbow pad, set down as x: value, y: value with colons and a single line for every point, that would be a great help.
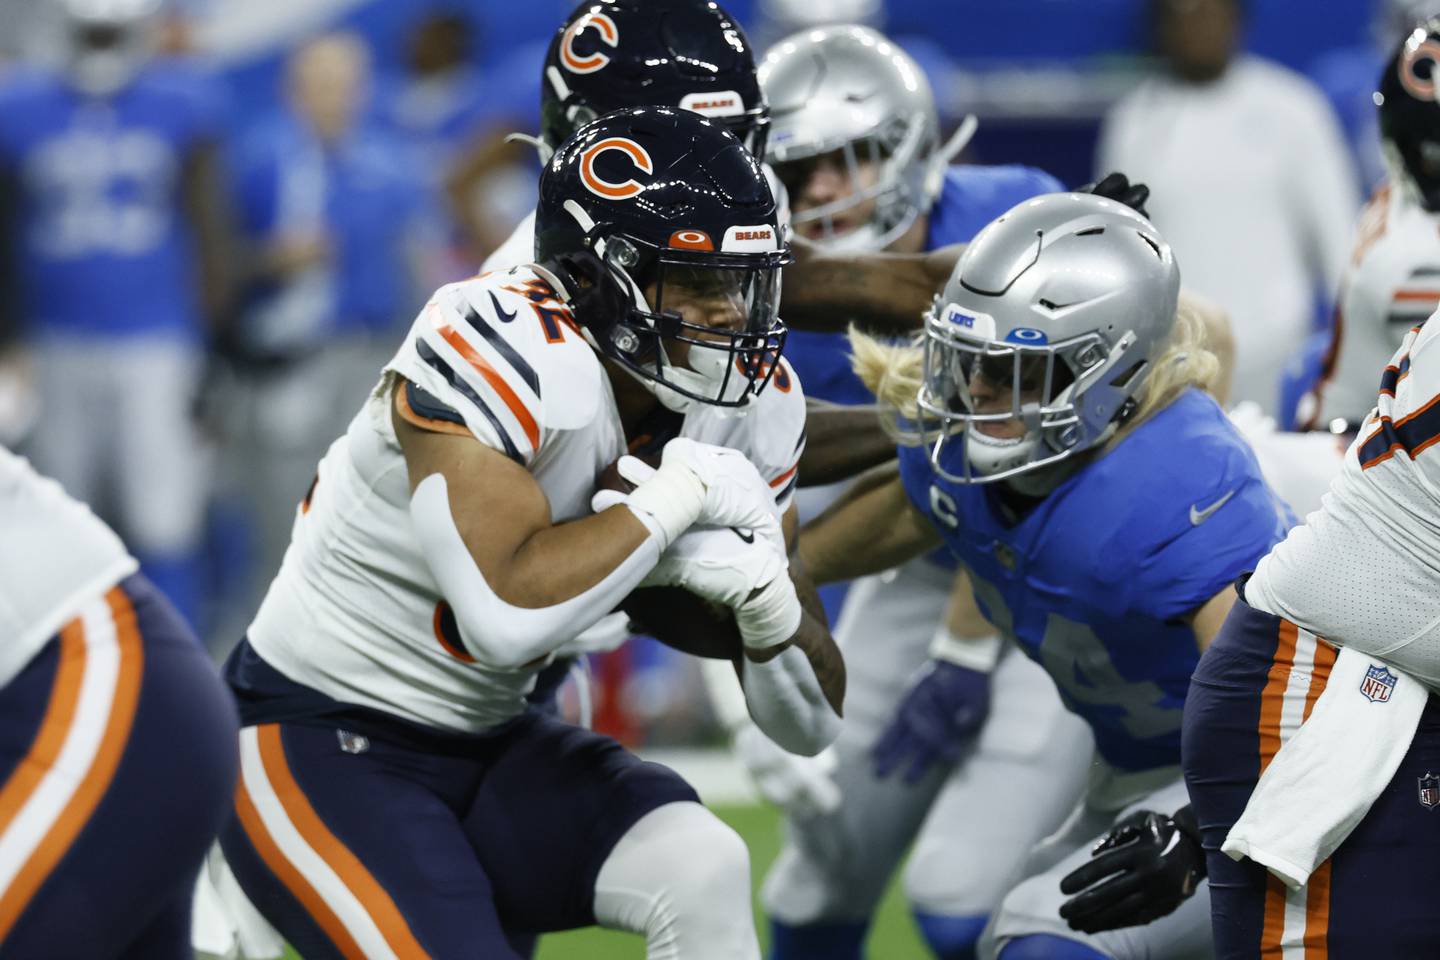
x: 787, y: 704
x: 496, y: 633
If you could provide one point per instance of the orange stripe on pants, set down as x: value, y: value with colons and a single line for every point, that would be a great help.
x: 285, y: 871
x: 1317, y: 914
x: 1274, y: 933
x: 97, y: 779
x: 1320, y: 676
x: 1317, y: 891
x: 1272, y: 698
x: 347, y: 866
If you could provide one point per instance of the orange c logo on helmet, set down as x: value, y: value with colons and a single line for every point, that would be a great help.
x: 608, y: 189
x: 609, y: 34
x: 1421, y: 88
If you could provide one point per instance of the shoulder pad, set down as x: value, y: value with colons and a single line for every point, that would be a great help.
x: 505, y: 353
x: 1183, y: 491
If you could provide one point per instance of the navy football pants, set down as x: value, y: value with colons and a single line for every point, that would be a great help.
x: 117, y: 759
x: 1376, y: 897
x: 363, y: 846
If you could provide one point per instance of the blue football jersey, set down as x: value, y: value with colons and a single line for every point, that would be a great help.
x: 103, y: 247
x: 970, y: 198
x: 1095, y: 581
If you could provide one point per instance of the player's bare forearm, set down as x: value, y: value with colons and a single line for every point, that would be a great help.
x: 687, y: 623
x: 884, y: 293
x: 842, y: 442
x: 1207, y: 619
x: 813, y: 639
x: 504, y: 519
x: 869, y: 529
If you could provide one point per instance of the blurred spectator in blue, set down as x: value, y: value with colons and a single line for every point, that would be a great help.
x: 455, y: 116
x: 1251, y: 182
x: 116, y: 251
x: 336, y: 215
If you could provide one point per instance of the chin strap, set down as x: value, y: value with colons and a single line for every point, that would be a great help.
x: 541, y: 147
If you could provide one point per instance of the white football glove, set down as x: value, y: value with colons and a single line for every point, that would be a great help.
x: 698, y: 483
x: 801, y: 786
x: 743, y: 569
x: 720, y: 564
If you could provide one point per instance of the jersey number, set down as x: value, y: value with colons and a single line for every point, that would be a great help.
x: 1081, y: 667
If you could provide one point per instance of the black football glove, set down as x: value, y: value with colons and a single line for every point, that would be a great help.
x: 1117, y: 187
x: 1145, y: 867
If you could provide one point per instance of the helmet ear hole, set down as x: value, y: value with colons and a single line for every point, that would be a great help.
x: 1128, y: 375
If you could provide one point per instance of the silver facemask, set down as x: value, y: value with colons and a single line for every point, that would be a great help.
x: 1045, y: 332
x: 848, y: 91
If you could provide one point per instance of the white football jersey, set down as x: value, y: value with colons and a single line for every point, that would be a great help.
x: 55, y: 556
x: 1364, y: 569
x: 355, y: 612
x: 1393, y: 283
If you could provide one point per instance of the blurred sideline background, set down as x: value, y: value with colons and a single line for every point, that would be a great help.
x: 341, y: 158
x: 418, y: 95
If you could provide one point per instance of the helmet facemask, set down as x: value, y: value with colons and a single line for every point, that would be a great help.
x: 881, y: 169
x: 699, y: 326
x: 1014, y: 406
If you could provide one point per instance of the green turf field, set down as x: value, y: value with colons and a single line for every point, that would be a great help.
x: 893, y: 937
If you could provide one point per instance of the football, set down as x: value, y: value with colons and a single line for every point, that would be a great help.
x: 673, y: 615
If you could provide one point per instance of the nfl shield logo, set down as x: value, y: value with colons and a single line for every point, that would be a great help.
x: 1430, y: 791
x: 352, y: 742
x: 1378, y: 684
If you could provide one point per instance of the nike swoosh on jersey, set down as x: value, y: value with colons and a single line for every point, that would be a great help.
x: 1198, y: 517
x: 747, y: 535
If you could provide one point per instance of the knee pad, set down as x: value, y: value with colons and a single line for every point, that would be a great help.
x: 680, y: 877
x: 1045, y: 946
x: 817, y: 941
x: 951, y: 938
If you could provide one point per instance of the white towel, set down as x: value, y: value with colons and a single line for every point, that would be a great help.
x: 1323, y: 780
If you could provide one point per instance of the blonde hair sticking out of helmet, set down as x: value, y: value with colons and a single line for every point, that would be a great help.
x: 894, y: 371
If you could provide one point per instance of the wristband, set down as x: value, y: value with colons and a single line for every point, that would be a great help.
x: 668, y: 503
x: 980, y: 654
x: 771, y: 616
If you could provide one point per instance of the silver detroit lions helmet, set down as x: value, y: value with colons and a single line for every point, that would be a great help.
x: 1045, y: 332
x: 849, y: 89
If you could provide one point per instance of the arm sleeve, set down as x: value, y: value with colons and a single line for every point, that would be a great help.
x: 496, y: 633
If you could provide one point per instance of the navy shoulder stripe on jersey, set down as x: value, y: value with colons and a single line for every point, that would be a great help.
x: 502, y: 346
x: 438, y: 364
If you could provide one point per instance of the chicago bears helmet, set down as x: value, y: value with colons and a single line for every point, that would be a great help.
x: 1040, y: 341
x: 1409, y: 101
x: 849, y: 90
x: 649, y: 208
x: 611, y: 54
